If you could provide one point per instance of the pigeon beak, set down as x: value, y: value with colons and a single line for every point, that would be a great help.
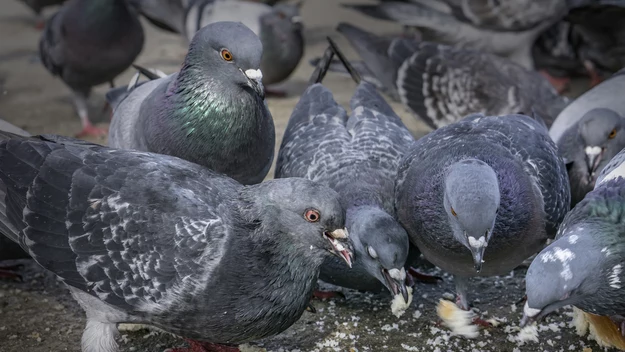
x: 477, y: 247
x: 255, y: 81
x: 530, y: 315
x: 594, y: 155
x: 340, y: 249
x: 396, y: 282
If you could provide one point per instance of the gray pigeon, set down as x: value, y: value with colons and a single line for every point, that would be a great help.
x: 605, y: 95
x: 505, y: 28
x: 584, y: 265
x: 164, y: 14
x: 588, y: 146
x: 280, y: 30
x: 480, y: 196
x: 90, y: 42
x: 37, y: 6
x: 357, y: 155
x: 8, y: 249
x: 211, y: 113
x: 442, y: 84
x: 152, y: 239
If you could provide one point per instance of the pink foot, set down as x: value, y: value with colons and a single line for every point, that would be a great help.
x: 592, y: 72
x: 327, y: 295
x: 415, y: 275
x: 91, y: 131
x: 40, y: 24
x: 196, y: 346
x: 481, y: 322
x: 561, y: 84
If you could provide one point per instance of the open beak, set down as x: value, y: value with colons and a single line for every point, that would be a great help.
x: 594, y: 155
x: 340, y: 249
x: 255, y: 81
x: 396, y: 282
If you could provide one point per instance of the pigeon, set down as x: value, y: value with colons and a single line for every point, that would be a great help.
x: 442, y: 84
x: 9, y: 250
x: 583, y: 267
x: 37, y: 6
x: 505, y: 28
x: 164, y: 14
x: 605, y: 95
x: 480, y: 196
x: 356, y: 155
x: 212, y: 112
x: 279, y: 27
x: 588, y: 146
x: 146, y: 238
x: 90, y: 42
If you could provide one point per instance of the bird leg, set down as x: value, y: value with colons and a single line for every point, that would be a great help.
x: 414, y: 275
x: 88, y: 129
x: 327, y: 294
x: 462, y: 300
x: 561, y: 84
x: 8, y: 272
x: 592, y: 72
x: 197, y: 346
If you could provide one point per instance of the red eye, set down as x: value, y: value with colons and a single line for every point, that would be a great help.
x: 312, y: 215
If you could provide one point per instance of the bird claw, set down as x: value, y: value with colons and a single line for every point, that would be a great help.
x: 481, y: 322
x: 91, y: 131
x: 561, y: 84
x: 328, y: 294
x: 415, y: 275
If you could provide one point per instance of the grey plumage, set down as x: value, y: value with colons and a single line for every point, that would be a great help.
x: 164, y: 14
x: 442, y: 84
x: 505, y: 28
x: 584, y: 266
x: 490, y: 188
x: 212, y: 112
x: 279, y: 28
x: 90, y: 42
x: 588, y: 146
x: 357, y: 155
x: 152, y: 239
x: 38, y: 5
x: 606, y: 95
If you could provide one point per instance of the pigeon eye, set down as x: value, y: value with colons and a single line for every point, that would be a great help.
x: 372, y: 253
x: 312, y: 215
x: 453, y: 212
x: 226, y: 55
x: 612, y: 134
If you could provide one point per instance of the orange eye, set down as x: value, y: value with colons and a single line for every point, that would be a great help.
x: 312, y: 215
x: 226, y: 55
x: 612, y: 134
x: 453, y: 212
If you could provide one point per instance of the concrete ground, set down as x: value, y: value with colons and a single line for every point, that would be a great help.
x: 38, y: 314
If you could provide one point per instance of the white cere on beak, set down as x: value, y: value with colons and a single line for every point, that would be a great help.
x: 397, y: 274
x: 592, y: 151
x: 479, y: 243
x: 530, y: 312
x: 256, y: 75
x: 339, y: 233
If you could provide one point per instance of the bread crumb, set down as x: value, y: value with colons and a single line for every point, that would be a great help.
x: 528, y: 333
x: 398, y: 305
x: 459, y: 321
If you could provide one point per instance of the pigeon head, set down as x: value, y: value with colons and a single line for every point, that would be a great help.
x: 228, y: 52
x: 283, y: 18
x: 381, y: 245
x: 471, y: 201
x: 299, y: 216
x: 574, y: 270
x: 603, y: 133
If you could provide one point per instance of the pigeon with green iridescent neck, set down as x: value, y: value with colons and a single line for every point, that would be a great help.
x: 211, y: 113
x: 585, y: 265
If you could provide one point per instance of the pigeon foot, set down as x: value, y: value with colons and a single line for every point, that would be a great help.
x: 197, y: 346
x: 414, y: 275
x: 561, y: 84
x: 592, y: 72
x: 481, y: 322
x: 327, y: 294
x: 8, y: 272
x: 90, y: 130
x: 40, y: 24
x: 275, y: 93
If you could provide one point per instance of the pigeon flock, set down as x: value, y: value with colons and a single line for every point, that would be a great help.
x: 177, y: 225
